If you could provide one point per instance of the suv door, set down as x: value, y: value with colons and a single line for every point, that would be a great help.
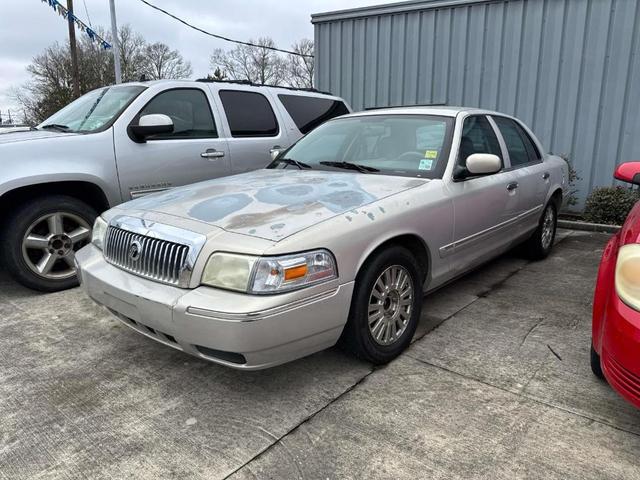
x: 530, y: 171
x: 191, y: 153
x: 253, y: 127
x: 485, y: 207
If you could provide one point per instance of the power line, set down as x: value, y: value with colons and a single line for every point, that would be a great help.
x: 226, y: 39
x: 86, y: 10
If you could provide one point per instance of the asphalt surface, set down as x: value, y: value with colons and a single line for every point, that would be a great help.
x: 496, y: 385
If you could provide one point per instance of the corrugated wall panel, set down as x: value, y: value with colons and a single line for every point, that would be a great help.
x: 569, y: 68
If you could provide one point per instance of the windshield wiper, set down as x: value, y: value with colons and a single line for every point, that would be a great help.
x: 56, y: 126
x: 351, y: 166
x: 295, y: 163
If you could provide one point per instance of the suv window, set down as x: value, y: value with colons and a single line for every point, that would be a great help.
x: 249, y: 114
x: 309, y: 112
x: 189, y: 110
x: 521, y: 148
x: 478, y: 137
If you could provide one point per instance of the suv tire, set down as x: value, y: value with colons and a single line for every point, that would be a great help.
x: 40, y: 239
x: 385, y: 307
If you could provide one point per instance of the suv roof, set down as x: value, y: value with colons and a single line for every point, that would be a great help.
x: 252, y: 84
x: 147, y: 83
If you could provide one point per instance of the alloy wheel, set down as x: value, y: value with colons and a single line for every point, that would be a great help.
x: 50, y: 242
x: 548, y: 224
x: 390, y: 305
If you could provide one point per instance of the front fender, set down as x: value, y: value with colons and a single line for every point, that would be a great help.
x: 85, y: 158
x: 604, y: 286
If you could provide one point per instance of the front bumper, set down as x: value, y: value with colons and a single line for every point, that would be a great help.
x: 238, y: 330
x: 620, y: 350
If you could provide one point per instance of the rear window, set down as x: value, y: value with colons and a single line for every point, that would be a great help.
x: 249, y: 114
x: 309, y: 112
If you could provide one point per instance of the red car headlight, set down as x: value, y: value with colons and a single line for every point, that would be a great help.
x: 628, y: 275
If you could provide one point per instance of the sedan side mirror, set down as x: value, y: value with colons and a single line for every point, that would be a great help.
x: 483, y: 164
x: 628, y: 172
x: 152, y: 124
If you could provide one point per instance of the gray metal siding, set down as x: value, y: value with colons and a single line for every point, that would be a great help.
x: 570, y: 69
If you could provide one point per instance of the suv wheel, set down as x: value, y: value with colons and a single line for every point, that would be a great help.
x: 385, y: 308
x: 41, y: 238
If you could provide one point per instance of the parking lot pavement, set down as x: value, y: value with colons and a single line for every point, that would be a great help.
x: 496, y: 385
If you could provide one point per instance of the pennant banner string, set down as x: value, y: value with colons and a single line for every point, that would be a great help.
x: 80, y: 25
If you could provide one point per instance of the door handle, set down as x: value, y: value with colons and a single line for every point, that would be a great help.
x: 212, y: 153
x: 512, y: 186
x: 545, y: 176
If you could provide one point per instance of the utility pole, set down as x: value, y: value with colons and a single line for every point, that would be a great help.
x: 74, y: 53
x: 116, y: 44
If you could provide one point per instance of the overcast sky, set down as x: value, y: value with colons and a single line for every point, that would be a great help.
x: 28, y: 26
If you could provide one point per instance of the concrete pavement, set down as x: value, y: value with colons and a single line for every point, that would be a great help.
x: 496, y: 385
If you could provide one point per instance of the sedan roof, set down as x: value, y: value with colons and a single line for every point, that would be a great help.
x: 444, y: 111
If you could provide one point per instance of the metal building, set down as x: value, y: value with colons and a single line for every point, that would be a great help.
x: 570, y: 69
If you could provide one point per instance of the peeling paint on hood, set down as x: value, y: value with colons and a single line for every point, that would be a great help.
x: 273, y: 204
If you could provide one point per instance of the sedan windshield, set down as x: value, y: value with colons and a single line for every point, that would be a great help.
x: 92, y: 111
x: 404, y: 145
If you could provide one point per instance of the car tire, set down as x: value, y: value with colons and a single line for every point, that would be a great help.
x: 540, y: 244
x: 385, y: 307
x: 65, y: 224
x: 596, y: 366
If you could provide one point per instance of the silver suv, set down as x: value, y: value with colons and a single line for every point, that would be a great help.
x: 122, y: 142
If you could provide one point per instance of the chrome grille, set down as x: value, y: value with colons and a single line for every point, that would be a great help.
x: 156, y: 259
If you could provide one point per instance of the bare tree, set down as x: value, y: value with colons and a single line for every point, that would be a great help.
x: 255, y: 64
x: 132, y: 60
x: 300, y: 67
x: 162, y: 62
x: 50, y: 86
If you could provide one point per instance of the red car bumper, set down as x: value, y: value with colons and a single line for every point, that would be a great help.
x: 620, y: 349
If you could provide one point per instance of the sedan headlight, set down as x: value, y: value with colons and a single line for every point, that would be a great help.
x: 98, y: 232
x: 260, y: 275
x: 628, y: 275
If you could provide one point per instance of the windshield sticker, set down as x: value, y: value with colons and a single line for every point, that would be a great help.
x: 432, y: 154
x: 425, y: 165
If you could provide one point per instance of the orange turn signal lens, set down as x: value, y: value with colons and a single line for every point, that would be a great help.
x: 295, y: 272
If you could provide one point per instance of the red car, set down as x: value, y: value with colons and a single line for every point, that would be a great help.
x: 615, y: 348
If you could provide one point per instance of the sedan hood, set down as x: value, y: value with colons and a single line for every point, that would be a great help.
x: 273, y: 204
x: 26, y: 135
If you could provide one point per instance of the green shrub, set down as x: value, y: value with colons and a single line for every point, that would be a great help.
x: 610, y: 205
x: 572, y: 197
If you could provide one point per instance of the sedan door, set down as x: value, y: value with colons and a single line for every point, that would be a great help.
x: 485, y: 207
x: 531, y: 173
x: 192, y: 152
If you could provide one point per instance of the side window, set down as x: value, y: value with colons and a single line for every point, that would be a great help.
x: 249, y: 114
x: 189, y: 110
x: 309, y: 112
x: 521, y: 148
x: 532, y: 149
x: 478, y: 137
